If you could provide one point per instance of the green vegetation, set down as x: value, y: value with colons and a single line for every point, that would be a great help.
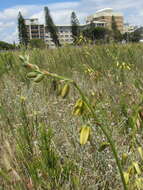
x: 97, y: 34
x: 75, y: 26
x: 135, y: 36
x: 6, y: 46
x: 22, y: 31
x: 37, y: 43
x: 72, y: 118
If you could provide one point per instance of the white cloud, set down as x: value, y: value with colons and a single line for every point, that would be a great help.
x: 5, y: 25
x: 132, y: 10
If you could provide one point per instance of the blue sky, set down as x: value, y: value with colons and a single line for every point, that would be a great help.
x: 10, y: 3
x: 61, y: 11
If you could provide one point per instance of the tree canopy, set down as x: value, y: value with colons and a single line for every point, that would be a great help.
x: 134, y: 36
x: 96, y: 33
x: 37, y: 43
x: 6, y: 46
x: 22, y: 30
x: 75, y: 26
x: 51, y: 27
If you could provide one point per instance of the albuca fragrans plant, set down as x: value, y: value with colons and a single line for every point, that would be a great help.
x: 81, y: 106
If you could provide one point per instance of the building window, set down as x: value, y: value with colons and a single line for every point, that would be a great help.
x: 34, y: 27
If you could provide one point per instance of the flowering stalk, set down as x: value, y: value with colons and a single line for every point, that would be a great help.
x: 85, y: 99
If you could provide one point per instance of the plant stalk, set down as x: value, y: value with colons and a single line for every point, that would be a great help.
x: 95, y: 120
x: 106, y: 134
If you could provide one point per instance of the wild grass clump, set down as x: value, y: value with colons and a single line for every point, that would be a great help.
x: 72, y: 118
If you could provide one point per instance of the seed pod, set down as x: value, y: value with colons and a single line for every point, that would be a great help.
x: 59, y: 89
x: 39, y: 78
x: 79, y: 107
x: 126, y: 177
x: 84, y: 134
x: 124, y: 158
x: 79, y: 103
x: 35, y: 67
x: 32, y: 74
x: 140, y: 152
x: 65, y: 90
x: 130, y: 170
x: 136, y: 167
x: 77, y: 111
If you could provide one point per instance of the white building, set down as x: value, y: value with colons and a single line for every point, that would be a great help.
x: 38, y: 31
x: 64, y: 34
x: 102, y: 18
x: 129, y: 28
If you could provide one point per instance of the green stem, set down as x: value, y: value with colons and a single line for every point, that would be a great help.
x: 57, y: 76
x: 106, y: 134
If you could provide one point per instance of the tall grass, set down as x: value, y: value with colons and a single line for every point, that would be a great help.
x: 39, y: 136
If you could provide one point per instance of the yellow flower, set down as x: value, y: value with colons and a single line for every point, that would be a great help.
x: 23, y: 98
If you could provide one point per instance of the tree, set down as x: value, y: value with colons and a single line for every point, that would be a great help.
x: 96, y: 33
x: 22, y: 30
x: 75, y: 26
x: 6, y: 46
x: 134, y: 36
x: 51, y: 27
x: 116, y: 34
x: 37, y: 43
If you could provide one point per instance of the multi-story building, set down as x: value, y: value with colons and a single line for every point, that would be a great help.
x: 39, y: 31
x: 129, y: 28
x: 105, y: 15
x: 64, y: 34
x: 34, y: 29
x: 102, y: 18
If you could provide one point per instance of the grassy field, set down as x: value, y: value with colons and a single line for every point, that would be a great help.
x: 40, y: 133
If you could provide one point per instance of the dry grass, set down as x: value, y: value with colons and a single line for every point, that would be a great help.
x: 39, y: 136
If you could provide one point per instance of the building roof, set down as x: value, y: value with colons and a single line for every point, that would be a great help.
x: 31, y: 21
x: 35, y: 21
x: 104, y: 12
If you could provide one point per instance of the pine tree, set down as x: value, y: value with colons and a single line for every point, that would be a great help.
x: 51, y: 27
x: 22, y: 31
x: 75, y: 26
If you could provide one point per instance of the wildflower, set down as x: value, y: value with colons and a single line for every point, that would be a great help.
x: 23, y: 98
